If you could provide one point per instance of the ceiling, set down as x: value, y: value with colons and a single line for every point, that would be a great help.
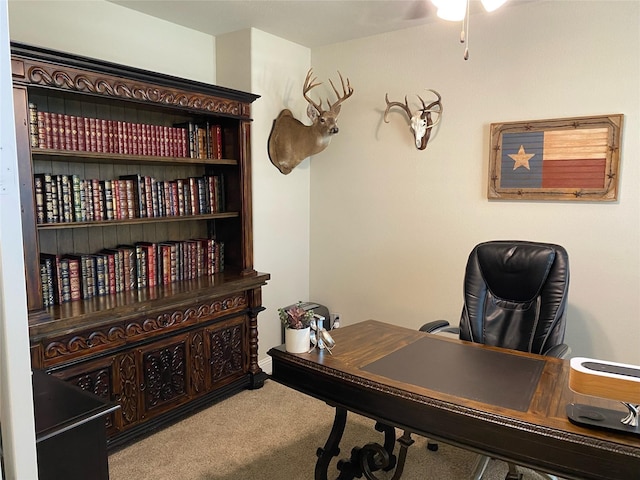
x: 310, y: 23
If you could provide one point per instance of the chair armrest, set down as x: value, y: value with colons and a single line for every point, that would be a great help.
x: 438, y: 326
x: 558, y: 351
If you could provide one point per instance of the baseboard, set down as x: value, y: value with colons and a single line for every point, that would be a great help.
x: 265, y: 365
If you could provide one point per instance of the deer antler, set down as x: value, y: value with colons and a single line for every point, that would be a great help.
x: 308, y: 85
x: 405, y: 107
x: 347, y: 91
x: 432, y: 104
x: 428, y: 110
x: 420, y: 122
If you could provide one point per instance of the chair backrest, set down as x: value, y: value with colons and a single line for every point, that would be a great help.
x: 515, y: 294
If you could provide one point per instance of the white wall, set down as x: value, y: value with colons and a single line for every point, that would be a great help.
x: 106, y: 31
x: 392, y: 226
x: 233, y: 60
x: 280, y: 202
x: 16, y: 404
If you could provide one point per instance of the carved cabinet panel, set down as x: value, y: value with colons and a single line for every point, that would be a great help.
x: 127, y: 385
x: 227, y: 351
x: 78, y: 344
x: 165, y: 372
x: 198, y: 357
x: 96, y: 377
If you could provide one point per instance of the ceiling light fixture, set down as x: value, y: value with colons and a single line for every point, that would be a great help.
x: 491, y: 5
x: 452, y: 10
x: 458, y: 11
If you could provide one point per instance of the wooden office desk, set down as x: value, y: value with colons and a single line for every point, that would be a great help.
x: 386, y: 373
x: 71, y: 438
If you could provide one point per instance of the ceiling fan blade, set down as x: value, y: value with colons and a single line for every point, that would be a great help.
x: 418, y: 9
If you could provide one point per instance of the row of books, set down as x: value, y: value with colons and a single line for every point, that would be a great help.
x: 60, y: 131
x: 69, y: 198
x: 205, y: 140
x: 71, y: 277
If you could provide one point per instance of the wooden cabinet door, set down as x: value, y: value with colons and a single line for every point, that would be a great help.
x: 227, y: 348
x: 96, y: 377
x: 164, y: 368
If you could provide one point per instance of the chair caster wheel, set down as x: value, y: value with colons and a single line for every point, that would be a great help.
x: 432, y: 446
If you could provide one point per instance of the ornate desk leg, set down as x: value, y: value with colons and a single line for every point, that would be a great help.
x: 331, y: 447
x: 389, y: 443
x: 364, y: 460
x: 405, y: 442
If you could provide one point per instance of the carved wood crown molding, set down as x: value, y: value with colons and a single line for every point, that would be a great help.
x: 63, y: 78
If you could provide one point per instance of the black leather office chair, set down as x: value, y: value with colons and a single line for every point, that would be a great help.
x: 515, y: 294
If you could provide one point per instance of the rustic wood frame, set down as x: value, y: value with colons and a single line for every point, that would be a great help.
x: 609, y: 190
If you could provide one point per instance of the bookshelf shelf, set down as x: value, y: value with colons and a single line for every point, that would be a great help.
x: 116, y: 158
x: 137, y: 221
x: 137, y: 230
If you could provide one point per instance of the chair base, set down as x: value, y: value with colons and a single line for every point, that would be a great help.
x: 513, y: 473
x: 479, y: 467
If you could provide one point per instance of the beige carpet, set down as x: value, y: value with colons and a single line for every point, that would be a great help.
x: 272, y: 434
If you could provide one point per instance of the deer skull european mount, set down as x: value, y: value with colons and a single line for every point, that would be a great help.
x: 291, y: 141
x: 421, y: 122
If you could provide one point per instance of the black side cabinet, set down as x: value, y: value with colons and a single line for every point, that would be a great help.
x: 71, y: 440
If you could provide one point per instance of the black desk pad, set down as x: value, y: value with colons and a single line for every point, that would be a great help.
x: 487, y: 376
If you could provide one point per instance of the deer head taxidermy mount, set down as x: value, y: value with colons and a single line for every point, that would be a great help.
x: 291, y: 141
x: 421, y: 122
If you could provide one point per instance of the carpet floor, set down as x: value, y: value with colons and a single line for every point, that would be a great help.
x: 272, y: 434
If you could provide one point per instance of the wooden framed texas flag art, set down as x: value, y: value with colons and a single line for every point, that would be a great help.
x: 560, y: 159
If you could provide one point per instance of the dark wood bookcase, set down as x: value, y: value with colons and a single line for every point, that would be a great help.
x: 158, y: 351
